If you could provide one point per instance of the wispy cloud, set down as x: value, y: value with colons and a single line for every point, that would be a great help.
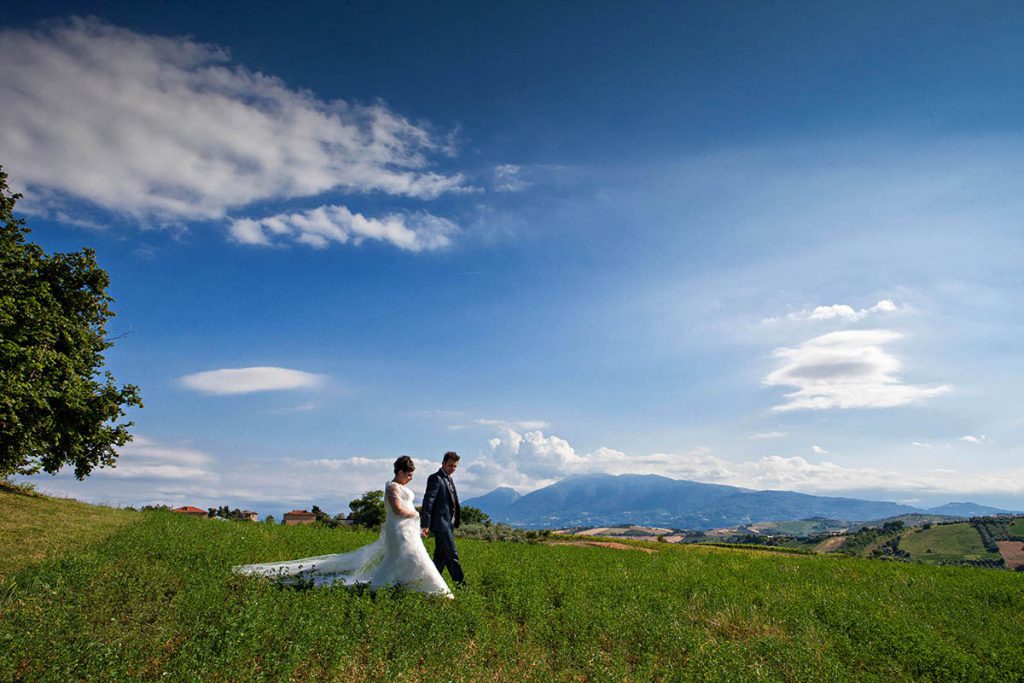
x: 326, y: 224
x: 846, y: 369
x: 843, y: 312
x: 818, y: 450
x: 249, y: 380
x: 143, y: 458
x: 171, y: 129
x: 509, y: 178
x: 970, y: 438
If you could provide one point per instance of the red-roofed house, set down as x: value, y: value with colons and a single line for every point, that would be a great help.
x: 192, y: 511
x: 299, y: 517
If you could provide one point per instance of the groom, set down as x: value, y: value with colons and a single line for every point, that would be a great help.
x: 440, y: 514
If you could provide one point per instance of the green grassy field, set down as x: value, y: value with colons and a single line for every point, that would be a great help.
x: 155, y: 599
x: 34, y: 527
x: 947, y: 542
x: 1016, y: 528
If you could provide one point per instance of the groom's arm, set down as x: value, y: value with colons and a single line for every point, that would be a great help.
x: 433, y: 486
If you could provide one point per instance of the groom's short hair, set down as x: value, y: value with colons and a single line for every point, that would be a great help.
x: 450, y: 455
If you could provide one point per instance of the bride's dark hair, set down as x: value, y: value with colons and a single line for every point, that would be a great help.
x: 404, y: 464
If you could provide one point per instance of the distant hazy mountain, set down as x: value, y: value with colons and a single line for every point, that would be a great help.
x: 496, y: 502
x: 604, y: 499
x: 967, y: 510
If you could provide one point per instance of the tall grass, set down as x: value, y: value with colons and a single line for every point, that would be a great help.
x: 157, y: 600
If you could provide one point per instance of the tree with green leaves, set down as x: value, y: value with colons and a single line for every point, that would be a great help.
x: 324, y: 519
x: 368, y: 510
x: 57, y: 407
x: 471, y: 515
x: 321, y: 517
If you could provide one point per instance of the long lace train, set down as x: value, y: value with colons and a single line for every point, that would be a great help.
x: 397, y: 557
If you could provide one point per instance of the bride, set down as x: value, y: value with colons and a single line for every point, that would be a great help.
x: 398, y: 557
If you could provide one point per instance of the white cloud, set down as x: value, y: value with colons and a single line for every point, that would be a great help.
x: 846, y: 312
x: 818, y: 450
x: 169, y: 129
x: 846, y: 369
x: 970, y: 438
x: 249, y: 380
x: 142, y: 467
x: 843, y: 312
x: 765, y: 436
x: 320, y: 226
x: 509, y: 178
x: 143, y: 458
x: 530, y: 460
x: 545, y: 457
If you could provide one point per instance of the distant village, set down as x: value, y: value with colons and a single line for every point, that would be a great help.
x: 290, y: 518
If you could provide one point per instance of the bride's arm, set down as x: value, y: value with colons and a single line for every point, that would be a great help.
x: 396, y: 502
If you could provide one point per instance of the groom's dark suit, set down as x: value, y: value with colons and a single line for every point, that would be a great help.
x: 440, y: 514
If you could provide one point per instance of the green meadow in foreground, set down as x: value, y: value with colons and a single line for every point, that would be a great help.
x: 153, y: 598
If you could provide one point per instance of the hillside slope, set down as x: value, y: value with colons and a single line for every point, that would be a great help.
x: 156, y: 599
x: 35, y: 527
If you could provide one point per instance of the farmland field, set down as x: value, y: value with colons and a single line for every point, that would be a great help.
x: 946, y: 542
x: 156, y: 599
x: 1016, y: 528
x: 800, y: 527
x: 1012, y: 553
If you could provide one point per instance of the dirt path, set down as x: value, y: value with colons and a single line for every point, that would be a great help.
x: 604, y: 544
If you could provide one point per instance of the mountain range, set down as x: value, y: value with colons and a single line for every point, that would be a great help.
x: 652, y: 500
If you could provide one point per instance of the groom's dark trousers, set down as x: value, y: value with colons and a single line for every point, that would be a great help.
x: 440, y: 514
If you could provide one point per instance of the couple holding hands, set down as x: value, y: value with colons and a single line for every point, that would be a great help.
x: 398, y: 557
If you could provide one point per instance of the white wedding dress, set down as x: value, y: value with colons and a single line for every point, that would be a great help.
x: 397, y: 558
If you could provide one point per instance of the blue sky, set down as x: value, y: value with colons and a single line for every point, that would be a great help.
x: 772, y: 245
